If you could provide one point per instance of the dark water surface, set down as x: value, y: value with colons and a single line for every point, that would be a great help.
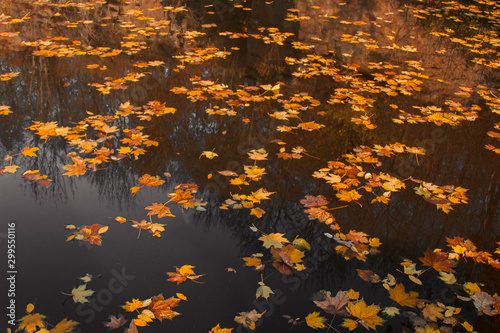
x: 56, y: 89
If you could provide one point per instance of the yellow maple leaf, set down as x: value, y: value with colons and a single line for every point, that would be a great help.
x: 150, y: 181
x: 217, y: 329
x: 64, y: 326
x: 261, y: 194
x: 367, y: 314
x: 134, y: 189
x: 352, y: 294
x: 275, y: 239
x: 314, y: 320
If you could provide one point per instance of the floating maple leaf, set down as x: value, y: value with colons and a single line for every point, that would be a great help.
x: 162, y: 308
x: 484, y: 301
x: 160, y: 210
x: 182, y: 274
x: 312, y: 201
x: 248, y: 319
x: 91, y: 234
x: 150, y: 181
x: 367, y: 314
x: 329, y: 304
x: 64, y: 326
x: 315, y: 321
x: 115, y: 322
x: 399, y: 295
x: 34, y: 175
x: 263, y: 291
x: 287, y: 258
x: 31, y: 321
x: 132, y: 306
x: 432, y: 312
x: 274, y: 239
x: 218, y: 329
x: 258, y: 155
x: 368, y: 276
x: 80, y: 294
x: 254, y: 261
x: 438, y: 260
x: 77, y: 169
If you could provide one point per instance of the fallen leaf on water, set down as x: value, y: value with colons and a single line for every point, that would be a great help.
x: 315, y: 321
x: 263, y: 291
x: 274, y: 239
x: 367, y: 314
x: 248, y: 319
x: 182, y: 274
x: 399, y: 295
x: 80, y: 294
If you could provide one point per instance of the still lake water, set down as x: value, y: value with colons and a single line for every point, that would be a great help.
x: 55, y: 88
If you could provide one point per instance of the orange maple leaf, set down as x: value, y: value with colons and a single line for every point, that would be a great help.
x: 132, y: 306
x: 31, y: 321
x: 438, y: 260
x: 27, y: 151
x: 150, y: 181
